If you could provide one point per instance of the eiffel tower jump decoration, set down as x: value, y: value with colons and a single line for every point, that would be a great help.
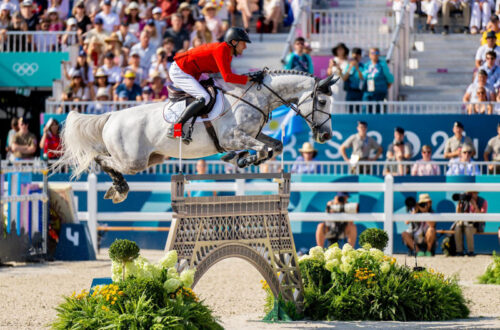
x: 255, y: 228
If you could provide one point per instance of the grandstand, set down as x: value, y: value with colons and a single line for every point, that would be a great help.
x: 46, y: 73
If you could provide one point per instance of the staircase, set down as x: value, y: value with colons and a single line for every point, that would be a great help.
x: 441, y: 67
x: 265, y: 50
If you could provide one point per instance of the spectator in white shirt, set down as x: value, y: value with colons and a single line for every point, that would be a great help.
x: 463, y: 165
x: 480, y: 16
x: 145, y: 50
x: 492, y: 69
x: 111, y: 21
x: 471, y: 93
x: 112, y: 71
x: 491, y: 45
x: 161, y: 25
x: 127, y: 39
x: 423, y: 166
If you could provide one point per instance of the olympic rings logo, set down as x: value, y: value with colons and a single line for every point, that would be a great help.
x: 25, y: 69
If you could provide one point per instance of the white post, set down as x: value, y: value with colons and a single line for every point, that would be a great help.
x: 388, y: 212
x: 92, y: 208
x: 283, y: 146
x: 239, y: 187
x: 180, y: 154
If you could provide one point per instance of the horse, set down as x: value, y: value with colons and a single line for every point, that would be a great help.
x: 131, y: 140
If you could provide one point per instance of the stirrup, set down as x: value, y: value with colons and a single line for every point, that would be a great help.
x: 186, y: 138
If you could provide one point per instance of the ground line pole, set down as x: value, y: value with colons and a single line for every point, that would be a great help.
x: 388, y: 212
x: 92, y: 208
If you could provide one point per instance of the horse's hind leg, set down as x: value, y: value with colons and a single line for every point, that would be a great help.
x: 242, y: 141
x: 119, y: 190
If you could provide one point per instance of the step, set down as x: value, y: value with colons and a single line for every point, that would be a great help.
x: 433, y: 93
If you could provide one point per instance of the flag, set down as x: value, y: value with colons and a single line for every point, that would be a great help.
x: 284, y: 116
x: 178, y: 130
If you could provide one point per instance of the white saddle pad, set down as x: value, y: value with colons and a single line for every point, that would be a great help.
x: 172, y: 110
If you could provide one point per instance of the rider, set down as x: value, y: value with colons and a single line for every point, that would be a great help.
x: 208, y: 58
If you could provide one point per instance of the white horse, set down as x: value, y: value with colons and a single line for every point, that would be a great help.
x: 129, y: 141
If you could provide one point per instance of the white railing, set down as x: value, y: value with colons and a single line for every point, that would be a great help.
x: 323, y: 167
x: 240, y: 187
x: 338, y: 107
x: 37, y: 41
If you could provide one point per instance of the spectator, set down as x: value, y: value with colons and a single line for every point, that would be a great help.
x: 141, y: 75
x: 102, y: 95
x: 111, y: 69
x: 145, y: 51
x: 494, y: 26
x: 62, y: 6
x: 361, y: 145
x: 169, y: 46
x: 77, y: 90
x: 334, y: 231
x: 158, y: 88
x: 161, y: 25
x: 4, y: 16
x: 214, y: 22
x: 97, y: 32
x: 147, y: 94
x: 482, y: 107
x: 20, y: 43
x: 114, y: 46
x: 475, y: 205
x: 111, y: 21
x: 28, y: 14
x: 14, y: 128
x: 480, y: 15
x: 187, y: 16
x: 306, y: 163
x: 55, y: 22
x: 178, y: 34
x: 126, y: 38
x: 101, y: 82
x: 337, y: 65
x: 377, y: 79
x: 456, y: 5
x: 399, y: 150
x: 463, y: 165
x: 23, y: 145
x: 160, y: 64
x: 128, y: 90
x: 132, y: 18
x: 196, y: 42
x: 454, y: 144
x: 471, y: 94
x: 423, y: 166
x: 168, y: 7
x: 352, y: 76
x: 431, y: 8
x: 68, y: 39
x: 298, y: 60
x: 51, y: 141
x: 273, y: 13
x: 492, y: 70
x: 420, y: 238
x: 493, y: 149
x: 83, y: 66
x: 246, y: 8
x: 45, y: 42
x: 491, y: 45
x: 9, y: 7
x: 201, y: 168
x: 155, y: 36
x: 201, y: 31
x: 83, y: 22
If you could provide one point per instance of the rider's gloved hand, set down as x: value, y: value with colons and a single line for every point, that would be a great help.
x: 257, y: 76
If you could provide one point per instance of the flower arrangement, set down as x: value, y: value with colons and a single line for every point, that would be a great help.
x: 365, y: 284
x: 143, y: 295
x: 492, y: 273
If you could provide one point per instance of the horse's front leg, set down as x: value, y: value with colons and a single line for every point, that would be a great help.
x: 240, y: 140
x: 276, y: 145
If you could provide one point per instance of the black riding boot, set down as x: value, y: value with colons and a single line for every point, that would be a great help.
x: 192, y: 110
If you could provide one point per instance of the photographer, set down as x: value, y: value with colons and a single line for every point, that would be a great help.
x: 398, y: 151
x: 333, y: 231
x: 421, y: 236
x: 470, y: 202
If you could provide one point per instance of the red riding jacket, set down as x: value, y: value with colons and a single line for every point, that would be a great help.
x: 209, y: 58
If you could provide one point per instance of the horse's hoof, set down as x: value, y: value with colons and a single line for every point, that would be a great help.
x: 252, y: 159
x: 228, y: 157
x: 118, y: 198
x: 242, y: 162
x: 110, y: 193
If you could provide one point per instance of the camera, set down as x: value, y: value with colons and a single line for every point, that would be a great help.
x: 343, y: 208
x: 463, y: 197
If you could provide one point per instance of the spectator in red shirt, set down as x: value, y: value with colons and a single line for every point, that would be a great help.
x: 209, y: 58
x: 51, y: 141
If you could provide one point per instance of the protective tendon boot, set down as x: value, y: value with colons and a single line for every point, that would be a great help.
x: 192, y: 110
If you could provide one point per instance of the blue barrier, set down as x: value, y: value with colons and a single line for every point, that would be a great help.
x: 74, y: 243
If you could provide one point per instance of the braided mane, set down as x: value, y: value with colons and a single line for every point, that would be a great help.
x: 291, y: 72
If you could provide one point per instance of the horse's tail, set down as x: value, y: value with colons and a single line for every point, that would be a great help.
x: 81, y: 141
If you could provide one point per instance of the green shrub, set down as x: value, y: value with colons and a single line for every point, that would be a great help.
x: 492, y: 273
x: 377, y: 238
x: 123, y: 250
x: 364, y: 284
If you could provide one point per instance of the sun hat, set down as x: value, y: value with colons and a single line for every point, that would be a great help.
x: 52, y: 10
x: 208, y: 6
x: 129, y: 74
x: 308, y: 147
x: 424, y: 198
x: 100, y: 73
x: 183, y: 6
x: 153, y: 75
x: 112, y: 37
x: 338, y: 46
x: 156, y: 10
x: 132, y: 5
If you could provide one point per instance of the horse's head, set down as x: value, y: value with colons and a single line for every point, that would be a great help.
x: 315, y: 108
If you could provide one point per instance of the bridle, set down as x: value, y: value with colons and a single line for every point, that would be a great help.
x: 314, y: 95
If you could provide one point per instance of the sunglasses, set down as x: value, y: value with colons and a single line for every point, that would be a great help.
x: 467, y: 152
x: 490, y: 58
x: 426, y: 152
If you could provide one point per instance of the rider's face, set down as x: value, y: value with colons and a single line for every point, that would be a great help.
x: 240, y: 47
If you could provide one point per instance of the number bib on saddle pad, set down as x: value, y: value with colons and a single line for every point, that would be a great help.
x: 173, y: 109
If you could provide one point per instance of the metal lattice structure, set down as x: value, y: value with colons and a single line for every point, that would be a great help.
x: 255, y: 228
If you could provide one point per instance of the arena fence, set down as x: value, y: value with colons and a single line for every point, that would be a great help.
x: 37, y: 41
x: 323, y: 167
x: 338, y: 107
x: 240, y: 187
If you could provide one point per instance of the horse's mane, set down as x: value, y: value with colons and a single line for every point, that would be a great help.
x: 290, y: 72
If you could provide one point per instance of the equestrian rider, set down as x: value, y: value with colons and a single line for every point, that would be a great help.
x: 208, y: 58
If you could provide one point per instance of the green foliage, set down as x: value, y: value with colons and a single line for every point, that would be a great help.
x: 123, y: 250
x: 492, y: 273
x: 377, y: 238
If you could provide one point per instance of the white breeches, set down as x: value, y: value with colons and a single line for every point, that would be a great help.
x: 480, y: 14
x: 187, y: 83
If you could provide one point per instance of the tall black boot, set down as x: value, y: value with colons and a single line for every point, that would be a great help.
x: 192, y: 110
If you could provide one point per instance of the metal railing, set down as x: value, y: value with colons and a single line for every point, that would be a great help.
x: 90, y: 107
x: 320, y: 167
x: 37, y: 41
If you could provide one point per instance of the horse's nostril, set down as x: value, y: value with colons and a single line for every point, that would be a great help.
x: 326, y: 136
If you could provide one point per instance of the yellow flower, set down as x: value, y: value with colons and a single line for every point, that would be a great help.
x: 112, y: 303
x: 120, y: 293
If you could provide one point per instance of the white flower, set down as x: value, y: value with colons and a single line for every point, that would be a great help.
x: 337, y: 252
x: 116, y: 271
x: 377, y: 254
x: 317, y: 253
x: 172, y: 273
x: 331, y: 264
x: 345, y: 267
x: 385, y: 267
x: 329, y: 255
x: 171, y: 285
x: 367, y: 246
x: 346, y: 249
x: 187, y: 277
x: 169, y: 260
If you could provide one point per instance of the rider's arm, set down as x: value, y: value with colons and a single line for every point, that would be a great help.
x: 222, y: 56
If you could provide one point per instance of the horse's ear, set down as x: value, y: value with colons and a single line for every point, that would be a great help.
x: 324, y: 85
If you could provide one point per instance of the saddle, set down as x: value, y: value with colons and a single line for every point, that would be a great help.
x: 176, y: 95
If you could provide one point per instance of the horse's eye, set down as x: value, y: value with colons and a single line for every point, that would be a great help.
x: 322, y: 102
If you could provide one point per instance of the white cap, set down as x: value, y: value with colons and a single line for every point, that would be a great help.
x: 71, y: 21
x: 4, y: 6
x: 52, y: 10
x: 157, y: 10
x: 27, y: 3
x: 133, y: 5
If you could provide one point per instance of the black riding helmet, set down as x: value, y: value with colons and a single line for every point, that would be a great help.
x: 238, y: 34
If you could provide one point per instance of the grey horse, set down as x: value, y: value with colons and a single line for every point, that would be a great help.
x: 131, y: 140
